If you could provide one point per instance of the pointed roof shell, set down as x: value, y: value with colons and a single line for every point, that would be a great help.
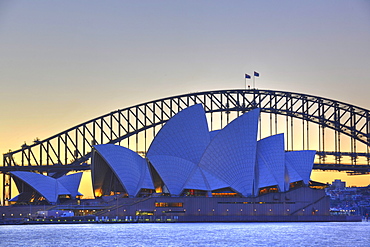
x: 271, y: 161
x: 231, y: 155
x: 203, y: 180
x: 174, y: 171
x: 71, y: 182
x: 184, y: 136
x: 302, y: 163
x: 129, y: 167
x: 46, y: 186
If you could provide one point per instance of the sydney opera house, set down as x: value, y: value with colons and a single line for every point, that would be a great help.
x: 191, y: 172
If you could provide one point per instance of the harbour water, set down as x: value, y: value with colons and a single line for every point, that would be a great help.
x: 189, y: 234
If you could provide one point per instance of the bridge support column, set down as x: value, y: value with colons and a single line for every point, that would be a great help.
x: 7, y: 189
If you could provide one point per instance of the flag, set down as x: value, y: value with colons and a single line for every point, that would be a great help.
x: 247, y: 76
x: 256, y: 74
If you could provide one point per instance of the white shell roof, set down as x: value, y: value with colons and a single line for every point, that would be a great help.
x: 197, y: 181
x: 231, y: 155
x: 271, y: 161
x: 49, y: 187
x: 302, y: 162
x: 214, y: 182
x: 174, y: 171
x: 264, y: 176
x: 130, y: 168
x: 291, y: 174
x: 203, y: 180
x: 185, y: 135
x: 213, y: 133
x: 71, y: 182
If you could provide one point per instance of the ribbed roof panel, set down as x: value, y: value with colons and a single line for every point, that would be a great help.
x: 231, y: 155
x: 271, y: 161
x: 46, y: 186
x: 197, y: 181
x: 212, y: 134
x: 184, y: 136
x: 130, y: 168
x: 174, y: 171
x: 291, y: 175
x: 71, y: 183
x: 214, y: 182
x: 302, y: 162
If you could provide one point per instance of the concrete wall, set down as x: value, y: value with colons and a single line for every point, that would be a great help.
x: 299, y: 202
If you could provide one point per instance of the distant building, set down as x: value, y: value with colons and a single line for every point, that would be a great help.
x: 338, y: 184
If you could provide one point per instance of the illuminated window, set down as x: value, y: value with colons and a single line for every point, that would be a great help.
x: 169, y: 204
x: 193, y: 193
x: 297, y: 184
x: 143, y: 213
x: 224, y: 194
x: 272, y: 189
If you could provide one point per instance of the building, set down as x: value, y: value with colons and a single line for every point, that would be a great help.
x: 188, y: 174
x: 338, y: 184
x: 40, y: 189
x: 190, y: 171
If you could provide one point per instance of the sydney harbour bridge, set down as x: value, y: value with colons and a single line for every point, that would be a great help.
x: 338, y: 131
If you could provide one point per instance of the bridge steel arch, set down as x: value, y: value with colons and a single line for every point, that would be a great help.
x: 71, y: 149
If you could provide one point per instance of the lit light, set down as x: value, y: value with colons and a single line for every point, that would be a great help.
x: 255, y: 210
x: 158, y: 190
x: 98, y: 193
x: 241, y: 210
x: 199, y: 210
x: 270, y: 209
x: 287, y: 210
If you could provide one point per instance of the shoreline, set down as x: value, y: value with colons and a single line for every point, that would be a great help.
x: 181, y: 219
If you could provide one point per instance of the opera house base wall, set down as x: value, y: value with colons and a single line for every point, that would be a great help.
x: 302, y: 201
x: 298, y: 205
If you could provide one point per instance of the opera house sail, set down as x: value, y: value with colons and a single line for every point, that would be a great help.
x: 34, y: 187
x: 186, y: 159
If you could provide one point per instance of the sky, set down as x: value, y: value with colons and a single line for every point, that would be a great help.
x: 65, y: 62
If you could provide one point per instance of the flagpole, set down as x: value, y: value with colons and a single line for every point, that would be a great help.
x: 255, y: 74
